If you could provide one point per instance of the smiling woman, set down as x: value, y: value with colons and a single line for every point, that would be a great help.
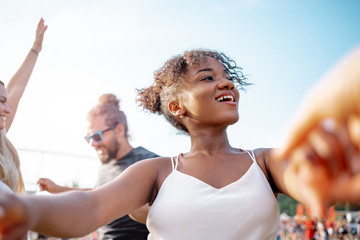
x: 168, y: 84
x: 214, y: 191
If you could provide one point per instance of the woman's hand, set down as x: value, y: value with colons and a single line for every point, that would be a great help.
x: 39, y: 37
x: 14, y: 217
x: 325, y: 168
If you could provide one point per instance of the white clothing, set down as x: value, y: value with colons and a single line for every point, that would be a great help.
x: 5, y: 188
x: 188, y: 208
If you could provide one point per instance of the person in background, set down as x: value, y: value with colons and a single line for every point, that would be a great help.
x: 108, y: 135
x: 214, y: 191
x: 10, y: 175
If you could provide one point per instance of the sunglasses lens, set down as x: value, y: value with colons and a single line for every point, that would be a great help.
x: 97, y: 137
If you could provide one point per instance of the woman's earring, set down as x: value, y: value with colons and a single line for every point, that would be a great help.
x: 181, y: 116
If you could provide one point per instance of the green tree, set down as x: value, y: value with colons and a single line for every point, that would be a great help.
x: 287, y: 205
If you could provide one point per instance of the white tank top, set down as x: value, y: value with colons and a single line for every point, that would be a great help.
x: 187, y: 208
x: 4, y: 187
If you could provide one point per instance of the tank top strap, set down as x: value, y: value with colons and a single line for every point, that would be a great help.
x: 174, y: 165
x: 252, y: 155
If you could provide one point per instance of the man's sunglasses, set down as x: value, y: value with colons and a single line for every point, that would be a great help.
x: 98, y: 136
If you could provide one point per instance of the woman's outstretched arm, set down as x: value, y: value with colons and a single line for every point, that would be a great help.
x: 77, y: 213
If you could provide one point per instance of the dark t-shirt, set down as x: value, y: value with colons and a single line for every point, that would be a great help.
x: 125, y: 227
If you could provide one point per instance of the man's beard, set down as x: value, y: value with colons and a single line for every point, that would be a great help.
x: 111, y: 152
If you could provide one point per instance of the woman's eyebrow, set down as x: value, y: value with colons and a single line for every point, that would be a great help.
x: 205, y: 70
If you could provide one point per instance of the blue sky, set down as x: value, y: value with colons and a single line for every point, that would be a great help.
x: 94, y: 47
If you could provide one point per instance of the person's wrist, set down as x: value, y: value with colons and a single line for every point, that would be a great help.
x: 34, y: 51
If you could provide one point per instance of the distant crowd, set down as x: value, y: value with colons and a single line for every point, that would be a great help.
x: 342, y: 226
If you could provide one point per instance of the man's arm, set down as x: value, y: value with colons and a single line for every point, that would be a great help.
x: 48, y: 185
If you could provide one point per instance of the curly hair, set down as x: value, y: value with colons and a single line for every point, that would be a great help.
x: 109, y: 106
x: 167, y: 84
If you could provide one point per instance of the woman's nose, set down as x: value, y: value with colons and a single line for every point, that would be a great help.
x: 226, y: 84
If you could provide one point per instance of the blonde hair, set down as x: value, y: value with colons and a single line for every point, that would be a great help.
x: 10, y: 165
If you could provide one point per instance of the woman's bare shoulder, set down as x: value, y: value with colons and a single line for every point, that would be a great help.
x: 155, y: 162
x: 159, y: 166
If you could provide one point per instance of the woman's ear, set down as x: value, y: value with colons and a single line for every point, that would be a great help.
x: 176, y: 109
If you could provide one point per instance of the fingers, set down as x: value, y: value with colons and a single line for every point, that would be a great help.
x: 40, y: 30
x: 354, y: 135
x: 312, y: 179
x: 337, y: 147
x: 17, y: 232
x: 297, y: 134
x: 41, y: 26
x: 354, y: 129
x: 43, y: 184
x: 325, y: 168
x: 318, y: 162
x: 42, y: 187
x: 46, y: 184
x: 42, y: 180
x: 347, y: 189
x: 333, y: 147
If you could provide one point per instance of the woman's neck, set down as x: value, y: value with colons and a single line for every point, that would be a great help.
x: 209, y: 142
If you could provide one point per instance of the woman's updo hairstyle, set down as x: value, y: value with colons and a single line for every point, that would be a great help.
x: 167, y: 84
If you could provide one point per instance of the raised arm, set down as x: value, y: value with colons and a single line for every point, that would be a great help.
x: 57, y: 215
x: 18, y: 82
